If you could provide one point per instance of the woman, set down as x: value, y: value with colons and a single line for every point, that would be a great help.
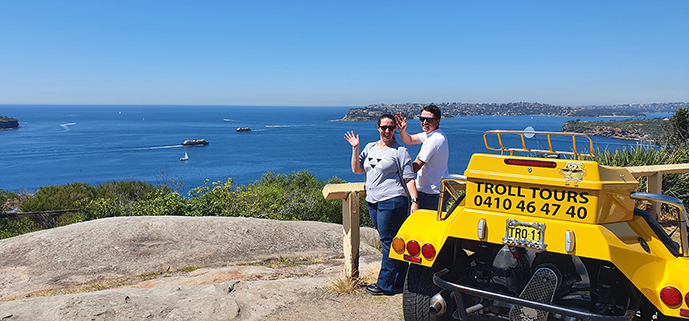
x: 389, y: 183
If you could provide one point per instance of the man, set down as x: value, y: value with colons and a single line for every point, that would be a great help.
x: 431, y: 163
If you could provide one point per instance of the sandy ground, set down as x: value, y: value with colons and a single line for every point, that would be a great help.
x: 186, y: 268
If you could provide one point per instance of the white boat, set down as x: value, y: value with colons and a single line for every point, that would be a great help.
x: 186, y: 157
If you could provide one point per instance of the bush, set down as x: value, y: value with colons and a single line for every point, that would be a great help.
x: 156, y: 203
x: 132, y: 191
x: 4, y: 197
x: 10, y: 227
x: 675, y: 185
x: 101, y: 208
x: 295, y: 196
x: 218, y: 199
x: 164, y: 204
x: 70, y: 218
x: 56, y: 197
x: 77, y: 195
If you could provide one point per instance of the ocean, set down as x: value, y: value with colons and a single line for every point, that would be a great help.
x: 61, y: 144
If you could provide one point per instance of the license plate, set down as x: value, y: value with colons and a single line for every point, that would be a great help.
x: 523, y: 234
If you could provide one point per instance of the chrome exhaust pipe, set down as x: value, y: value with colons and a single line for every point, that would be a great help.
x: 438, y: 305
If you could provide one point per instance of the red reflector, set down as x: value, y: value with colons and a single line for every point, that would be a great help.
x: 413, y: 247
x: 428, y: 251
x: 532, y: 163
x: 684, y: 312
x: 415, y: 259
x: 671, y: 296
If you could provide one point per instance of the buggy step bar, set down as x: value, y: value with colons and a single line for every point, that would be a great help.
x: 459, y: 289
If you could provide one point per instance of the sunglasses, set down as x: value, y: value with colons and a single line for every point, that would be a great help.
x: 384, y: 128
x: 428, y: 119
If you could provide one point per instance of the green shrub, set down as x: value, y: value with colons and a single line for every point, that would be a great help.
x: 675, y: 185
x: 70, y: 218
x: 14, y: 227
x: 58, y: 197
x: 131, y: 191
x: 100, y: 208
x: 217, y: 199
x: 295, y: 196
x: 4, y: 196
x: 638, y: 155
x: 164, y: 204
x: 76, y: 195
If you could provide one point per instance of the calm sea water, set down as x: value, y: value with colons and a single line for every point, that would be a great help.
x: 62, y: 144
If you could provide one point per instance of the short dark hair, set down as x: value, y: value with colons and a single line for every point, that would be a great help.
x: 433, y: 109
x: 394, y: 122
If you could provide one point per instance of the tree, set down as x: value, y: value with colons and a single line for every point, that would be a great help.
x: 680, y: 127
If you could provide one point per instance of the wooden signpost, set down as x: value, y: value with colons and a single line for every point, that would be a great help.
x: 349, y: 193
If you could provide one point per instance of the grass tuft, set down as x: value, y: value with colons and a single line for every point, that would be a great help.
x: 342, y: 284
x: 281, y: 262
x: 188, y: 269
x: 374, y: 243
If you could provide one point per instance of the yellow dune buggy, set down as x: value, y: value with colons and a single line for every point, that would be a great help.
x: 549, y: 235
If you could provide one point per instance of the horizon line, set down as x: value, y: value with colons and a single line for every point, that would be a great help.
x: 326, y: 106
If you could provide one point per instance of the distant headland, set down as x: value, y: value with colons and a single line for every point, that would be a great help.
x: 451, y: 110
x: 8, y: 123
x: 649, y: 130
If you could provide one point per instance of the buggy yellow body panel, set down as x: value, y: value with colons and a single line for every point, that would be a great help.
x: 572, y: 208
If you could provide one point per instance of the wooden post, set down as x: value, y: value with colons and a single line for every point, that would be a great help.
x: 654, y: 184
x: 349, y: 193
x: 350, y: 224
x: 654, y: 175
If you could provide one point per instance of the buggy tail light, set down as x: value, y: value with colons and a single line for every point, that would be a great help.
x: 671, y: 296
x: 413, y: 248
x: 428, y: 251
x: 398, y: 245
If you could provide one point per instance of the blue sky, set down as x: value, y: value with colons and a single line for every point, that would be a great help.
x: 343, y: 53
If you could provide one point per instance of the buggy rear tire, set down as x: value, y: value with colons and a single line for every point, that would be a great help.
x: 418, y: 291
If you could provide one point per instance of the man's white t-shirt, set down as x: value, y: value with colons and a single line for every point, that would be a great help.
x: 434, y: 152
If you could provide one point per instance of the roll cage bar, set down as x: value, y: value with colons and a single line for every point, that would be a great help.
x: 575, y: 153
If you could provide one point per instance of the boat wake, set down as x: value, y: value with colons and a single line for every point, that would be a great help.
x: 280, y: 126
x: 158, y: 147
x: 66, y: 126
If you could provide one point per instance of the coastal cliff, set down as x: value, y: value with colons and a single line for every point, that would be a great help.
x: 8, y: 123
x: 451, y: 110
x: 629, y: 129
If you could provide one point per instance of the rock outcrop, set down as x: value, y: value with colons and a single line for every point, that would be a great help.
x: 606, y: 131
x: 8, y: 123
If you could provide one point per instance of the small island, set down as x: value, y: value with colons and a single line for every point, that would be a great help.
x: 8, y: 123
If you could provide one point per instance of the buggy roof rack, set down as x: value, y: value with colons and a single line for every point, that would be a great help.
x: 529, y: 134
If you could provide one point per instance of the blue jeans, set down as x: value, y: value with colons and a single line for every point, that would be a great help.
x: 428, y: 201
x: 387, y: 217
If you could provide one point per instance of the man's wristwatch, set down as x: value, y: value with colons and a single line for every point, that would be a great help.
x: 414, y: 200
